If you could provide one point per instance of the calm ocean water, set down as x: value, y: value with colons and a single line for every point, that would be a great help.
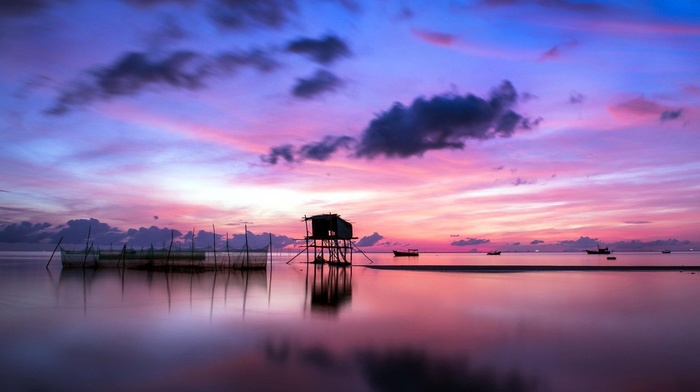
x: 301, y: 328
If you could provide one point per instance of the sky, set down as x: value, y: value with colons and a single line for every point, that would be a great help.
x: 440, y: 125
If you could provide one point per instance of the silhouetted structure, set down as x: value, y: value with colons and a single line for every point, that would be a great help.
x: 599, y: 251
x: 330, y: 239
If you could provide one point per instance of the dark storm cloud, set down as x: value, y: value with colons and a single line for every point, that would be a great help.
x: 441, y: 122
x: 535, y: 242
x: 323, y: 51
x: 370, y: 239
x: 24, y: 232
x: 470, y: 241
x: 245, y: 14
x: 136, y: 71
x: 668, y: 115
x: 321, y: 82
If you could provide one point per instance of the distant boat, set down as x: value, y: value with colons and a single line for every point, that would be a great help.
x: 612, y: 258
x: 599, y: 251
x: 666, y: 251
x: 409, y: 252
x: 494, y: 253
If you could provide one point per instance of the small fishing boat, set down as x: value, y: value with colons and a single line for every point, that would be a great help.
x: 612, y: 258
x: 409, y: 252
x: 599, y: 251
x: 666, y: 251
x: 494, y: 253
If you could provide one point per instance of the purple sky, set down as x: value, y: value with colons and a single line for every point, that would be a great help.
x: 454, y: 125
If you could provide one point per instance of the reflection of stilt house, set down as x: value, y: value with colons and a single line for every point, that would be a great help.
x: 330, y: 239
x: 332, y: 288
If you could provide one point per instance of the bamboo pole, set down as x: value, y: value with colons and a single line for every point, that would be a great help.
x: 214, y: 232
x: 122, y: 257
x: 192, y: 249
x: 228, y: 254
x: 86, y: 245
x: 269, y: 286
x: 247, y: 254
x: 88, y: 251
x: 172, y: 238
x: 54, y: 251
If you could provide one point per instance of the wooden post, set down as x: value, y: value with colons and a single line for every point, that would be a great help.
x: 192, y: 252
x: 54, y: 251
x: 86, y: 245
x: 172, y: 238
x: 247, y: 254
x: 227, y: 251
x: 214, y: 232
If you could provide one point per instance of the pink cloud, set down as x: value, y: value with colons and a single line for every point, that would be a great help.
x: 435, y: 38
x: 643, y: 109
x: 555, y: 51
x: 636, y: 107
x: 616, y: 26
x: 691, y: 89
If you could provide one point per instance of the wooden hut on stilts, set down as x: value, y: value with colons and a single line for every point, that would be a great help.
x: 330, y: 240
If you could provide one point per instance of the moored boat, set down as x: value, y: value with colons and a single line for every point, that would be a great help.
x: 494, y: 253
x: 409, y: 252
x: 599, y: 251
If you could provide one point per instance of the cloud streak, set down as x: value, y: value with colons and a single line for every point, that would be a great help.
x: 134, y: 72
x: 244, y: 14
x: 668, y: 115
x: 324, y: 51
x: 556, y: 51
x: 321, y: 82
x: 435, y: 38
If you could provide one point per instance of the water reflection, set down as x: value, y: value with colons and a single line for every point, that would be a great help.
x: 74, y: 330
x: 96, y: 288
x: 402, y: 369
x: 331, y: 288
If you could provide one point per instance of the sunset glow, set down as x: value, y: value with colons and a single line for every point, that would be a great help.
x: 446, y: 126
